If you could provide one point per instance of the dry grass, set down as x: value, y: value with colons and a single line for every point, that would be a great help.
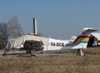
x: 90, y: 63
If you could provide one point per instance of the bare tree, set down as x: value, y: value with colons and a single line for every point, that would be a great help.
x: 4, y: 34
x: 11, y: 29
x: 15, y: 27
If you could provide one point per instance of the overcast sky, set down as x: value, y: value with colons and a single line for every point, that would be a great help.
x: 56, y: 18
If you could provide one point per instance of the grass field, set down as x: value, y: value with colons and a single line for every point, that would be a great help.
x: 65, y: 63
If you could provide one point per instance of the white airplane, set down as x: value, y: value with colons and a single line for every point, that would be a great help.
x: 81, y: 42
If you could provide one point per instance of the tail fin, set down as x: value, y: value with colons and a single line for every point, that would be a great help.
x: 82, y: 40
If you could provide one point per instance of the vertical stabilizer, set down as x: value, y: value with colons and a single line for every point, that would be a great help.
x: 82, y: 40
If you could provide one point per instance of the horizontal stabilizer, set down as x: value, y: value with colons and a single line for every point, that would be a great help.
x: 87, y: 31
